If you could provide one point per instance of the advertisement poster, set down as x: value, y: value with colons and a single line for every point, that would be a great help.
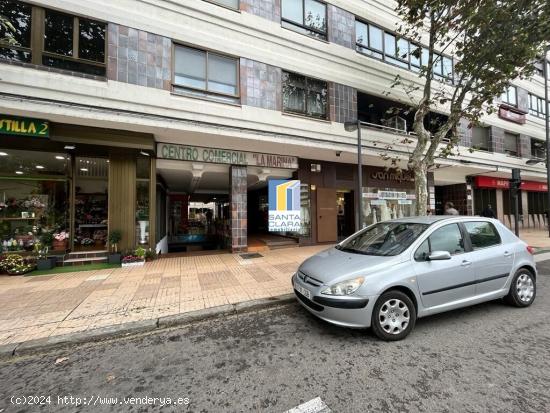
x: 284, y: 205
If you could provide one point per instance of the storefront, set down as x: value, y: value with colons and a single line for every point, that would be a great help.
x: 532, y: 200
x: 331, y: 190
x: 68, y: 186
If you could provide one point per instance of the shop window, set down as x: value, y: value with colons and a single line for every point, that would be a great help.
x: 304, y: 96
x: 305, y: 210
x: 143, y: 172
x: 537, y: 202
x: 385, y: 204
x: 511, y: 144
x: 509, y: 96
x: 19, y: 47
x: 480, y: 138
x: 538, y: 148
x: 69, y: 42
x: 305, y: 16
x: 206, y: 74
x: 537, y: 106
x: 33, y: 203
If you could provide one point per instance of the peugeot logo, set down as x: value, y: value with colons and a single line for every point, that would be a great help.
x: 305, y: 278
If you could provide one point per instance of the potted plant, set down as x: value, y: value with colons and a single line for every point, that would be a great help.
x: 114, y: 238
x: 150, y: 255
x: 42, y: 260
x: 60, y: 241
x: 134, y: 259
x: 46, y: 239
x: 15, y: 264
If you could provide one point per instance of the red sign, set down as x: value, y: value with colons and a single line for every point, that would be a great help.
x: 511, y: 115
x: 503, y: 183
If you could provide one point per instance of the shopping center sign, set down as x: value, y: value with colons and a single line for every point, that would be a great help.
x: 24, y: 126
x: 284, y: 205
x: 226, y: 156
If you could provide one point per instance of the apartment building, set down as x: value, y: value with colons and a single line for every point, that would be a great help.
x: 166, y: 119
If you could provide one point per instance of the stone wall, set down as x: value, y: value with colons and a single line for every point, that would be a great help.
x: 260, y: 85
x: 496, y: 143
x: 524, y: 146
x: 341, y: 27
x: 139, y: 57
x: 268, y: 9
x: 342, y: 102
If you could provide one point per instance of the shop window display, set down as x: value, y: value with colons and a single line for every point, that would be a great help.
x: 33, y: 199
x: 143, y: 170
x: 91, y: 201
x: 382, y: 205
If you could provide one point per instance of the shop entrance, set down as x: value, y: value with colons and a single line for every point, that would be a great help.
x: 346, y: 224
x: 196, y: 207
x: 327, y: 215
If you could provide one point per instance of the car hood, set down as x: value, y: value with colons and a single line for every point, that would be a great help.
x: 333, y: 265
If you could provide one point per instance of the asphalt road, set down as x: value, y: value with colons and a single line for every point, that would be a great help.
x: 486, y: 358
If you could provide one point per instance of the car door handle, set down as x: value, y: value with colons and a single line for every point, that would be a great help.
x: 507, y: 254
x: 466, y: 263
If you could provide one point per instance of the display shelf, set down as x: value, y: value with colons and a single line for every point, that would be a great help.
x: 91, y: 225
x: 17, y: 219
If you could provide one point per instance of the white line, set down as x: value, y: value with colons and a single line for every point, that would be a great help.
x: 313, y: 406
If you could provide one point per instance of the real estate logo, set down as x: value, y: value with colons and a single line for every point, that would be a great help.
x: 284, y: 205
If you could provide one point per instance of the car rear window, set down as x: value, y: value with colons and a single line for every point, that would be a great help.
x: 482, y: 234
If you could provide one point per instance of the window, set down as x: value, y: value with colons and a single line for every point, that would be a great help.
x: 74, y: 43
x: 69, y: 42
x: 19, y: 15
x: 482, y: 234
x: 537, y: 106
x: 304, y: 95
x: 538, y: 149
x: 423, y: 252
x: 232, y: 4
x: 447, y: 238
x: 384, y: 239
x: 206, y: 74
x: 305, y: 16
x: 480, y: 138
x: 375, y: 42
x: 509, y: 96
x: 510, y: 144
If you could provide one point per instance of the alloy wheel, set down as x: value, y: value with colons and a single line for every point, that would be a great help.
x: 394, y: 316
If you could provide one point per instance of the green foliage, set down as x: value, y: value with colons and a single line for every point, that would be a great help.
x: 114, y: 238
x: 7, y: 28
x: 140, y: 252
x: 46, y: 239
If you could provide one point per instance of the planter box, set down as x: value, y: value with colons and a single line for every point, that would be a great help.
x: 59, y: 245
x: 114, y: 258
x: 133, y: 264
x: 45, y: 264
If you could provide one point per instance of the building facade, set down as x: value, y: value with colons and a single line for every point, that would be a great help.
x: 167, y: 119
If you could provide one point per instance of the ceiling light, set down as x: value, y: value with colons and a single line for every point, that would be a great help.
x: 39, y: 167
x: 19, y: 172
x: 3, y: 154
x: 144, y: 153
x: 84, y: 169
x: 70, y: 147
x: 61, y: 158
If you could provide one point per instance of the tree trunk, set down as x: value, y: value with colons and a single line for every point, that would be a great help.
x: 421, y: 188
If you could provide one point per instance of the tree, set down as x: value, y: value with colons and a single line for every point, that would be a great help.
x: 7, y: 32
x: 493, y: 42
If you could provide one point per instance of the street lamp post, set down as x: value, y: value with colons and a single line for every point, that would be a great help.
x: 547, y: 131
x: 351, y: 126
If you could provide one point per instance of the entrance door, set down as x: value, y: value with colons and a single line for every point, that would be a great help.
x: 327, y: 215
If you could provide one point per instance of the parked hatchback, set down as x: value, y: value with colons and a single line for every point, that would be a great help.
x: 391, y: 273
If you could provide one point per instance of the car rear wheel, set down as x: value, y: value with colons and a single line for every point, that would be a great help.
x: 393, y: 316
x: 523, y: 289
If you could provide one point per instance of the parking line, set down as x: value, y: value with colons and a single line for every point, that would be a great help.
x: 313, y: 406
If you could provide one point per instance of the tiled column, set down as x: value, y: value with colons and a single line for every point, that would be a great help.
x: 524, y: 146
x: 465, y: 133
x: 238, y: 203
x: 497, y: 139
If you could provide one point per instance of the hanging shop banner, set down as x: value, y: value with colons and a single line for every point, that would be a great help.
x: 284, y: 205
x: 503, y: 183
x: 226, y: 156
x: 24, y: 126
x: 391, y: 195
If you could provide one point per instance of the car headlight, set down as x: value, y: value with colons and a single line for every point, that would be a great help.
x: 345, y: 287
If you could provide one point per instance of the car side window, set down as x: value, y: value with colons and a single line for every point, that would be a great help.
x: 482, y: 234
x: 447, y: 238
x: 422, y: 253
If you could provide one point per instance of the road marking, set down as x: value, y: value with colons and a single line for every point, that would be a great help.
x: 313, y: 406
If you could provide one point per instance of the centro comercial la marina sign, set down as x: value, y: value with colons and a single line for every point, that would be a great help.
x: 225, y: 156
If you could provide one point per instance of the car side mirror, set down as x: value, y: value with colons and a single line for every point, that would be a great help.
x: 439, y: 255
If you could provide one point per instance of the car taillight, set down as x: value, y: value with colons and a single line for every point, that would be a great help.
x: 530, y: 250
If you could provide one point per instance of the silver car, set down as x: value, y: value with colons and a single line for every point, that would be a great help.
x: 391, y: 273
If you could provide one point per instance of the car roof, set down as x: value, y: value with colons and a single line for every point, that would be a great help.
x: 431, y: 219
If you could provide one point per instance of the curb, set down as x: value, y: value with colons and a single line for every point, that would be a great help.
x: 143, y: 326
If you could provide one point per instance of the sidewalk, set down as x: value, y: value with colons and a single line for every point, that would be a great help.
x: 36, y: 307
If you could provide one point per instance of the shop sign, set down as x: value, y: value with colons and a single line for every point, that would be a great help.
x: 225, y: 156
x: 502, y: 183
x: 405, y: 202
x: 391, y: 195
x: 511, y: 115
x: 24, y: 126
x: 284, y: 205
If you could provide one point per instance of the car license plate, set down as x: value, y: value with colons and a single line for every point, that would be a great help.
x: 304, y: 291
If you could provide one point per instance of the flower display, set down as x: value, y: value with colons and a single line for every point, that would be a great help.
x: 33, y: 203
x: 61, y: 236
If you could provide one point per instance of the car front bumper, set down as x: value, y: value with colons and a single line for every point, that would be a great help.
x: 354, y: 312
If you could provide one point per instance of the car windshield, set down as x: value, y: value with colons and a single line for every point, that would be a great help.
x: 385, y: 238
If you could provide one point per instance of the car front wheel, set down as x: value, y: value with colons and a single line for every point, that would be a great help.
x: 393, y: 316
x: 523, y: 289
